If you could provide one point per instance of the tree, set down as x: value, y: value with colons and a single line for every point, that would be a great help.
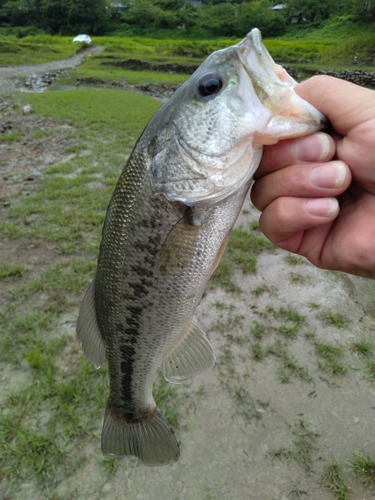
x: 219, y: 19
x: 315, y: 9
x: 15, y: 12
x: 148, y: 14
x: 365, y: 8
x: 188, y: 15
x: 259, y: 15
x: 70, y: 17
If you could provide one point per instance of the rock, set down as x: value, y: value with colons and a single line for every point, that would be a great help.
x: 27, y: 110
x: 359, y: 77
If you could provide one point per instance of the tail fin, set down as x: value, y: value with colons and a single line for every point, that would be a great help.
x: 151, y: 440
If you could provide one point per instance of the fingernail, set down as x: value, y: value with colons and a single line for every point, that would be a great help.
x: 322, y: 207
x: 330, y: 175
x: 312, y: 148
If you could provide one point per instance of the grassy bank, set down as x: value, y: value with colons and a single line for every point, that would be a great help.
x: 334, y: 42
x: 35, y: 49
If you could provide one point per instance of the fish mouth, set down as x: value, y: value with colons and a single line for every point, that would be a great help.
x: 274, y: 86
x: 254, y: 54
x: 264, y: 73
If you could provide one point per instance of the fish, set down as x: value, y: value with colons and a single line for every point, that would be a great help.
x: 167, y: 225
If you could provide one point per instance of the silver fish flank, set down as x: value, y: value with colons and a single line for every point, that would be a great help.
x: 167, y: 226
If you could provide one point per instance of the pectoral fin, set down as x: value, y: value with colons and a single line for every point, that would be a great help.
x: 190, y: 357
x: 88, y: 333
x: 180, y: 245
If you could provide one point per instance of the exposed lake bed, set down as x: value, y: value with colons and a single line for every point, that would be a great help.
x: 292, y: 391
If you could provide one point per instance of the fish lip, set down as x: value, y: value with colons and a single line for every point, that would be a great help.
x: 271, y: 82
x: 253, y: 42
x: 263, y: 70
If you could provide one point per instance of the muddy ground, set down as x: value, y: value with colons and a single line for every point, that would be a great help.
x: 264, y: 423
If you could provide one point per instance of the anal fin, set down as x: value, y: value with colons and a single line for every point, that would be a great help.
x: 88, y: 334
x: 191, y: 356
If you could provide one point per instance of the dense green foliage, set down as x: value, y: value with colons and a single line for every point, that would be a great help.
x: 173, y: 18
x: 55, y: 16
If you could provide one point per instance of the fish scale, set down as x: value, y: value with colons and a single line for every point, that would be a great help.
x: 167, y: 226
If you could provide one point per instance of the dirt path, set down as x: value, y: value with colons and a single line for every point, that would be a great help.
x: 9, y: 74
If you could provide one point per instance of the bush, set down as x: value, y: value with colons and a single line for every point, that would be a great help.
x: 258, y: 15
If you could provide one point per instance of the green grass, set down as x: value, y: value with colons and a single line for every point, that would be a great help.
x: 293, y: 51
x: 334, y: 319
x: 370, y: 371
x: 259, y: 290
x: 258, y: 353
x: 11, y: 137
x: 93, y: 68
x: 290, y: 314
x: 356, y: 46
x: 97, y: 110
x: 327, y: 351
x: 336, y: 42
x: 337, y: 476
x: 35, y: 49
x: 11, y: 270
x: 293, y: 260
x: 333, y: 480
x: 290, y: 367
x: 304, y: 444
x: 270, y: 336
x: 258, y: 330
x: 363, y: 348
x: 160, y: 50
x: 331, y: 358
x: 67, y: 207
x: 297, y: 278
x: 363, y: 467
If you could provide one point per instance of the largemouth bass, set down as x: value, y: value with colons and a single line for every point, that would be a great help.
x: 166, y: 228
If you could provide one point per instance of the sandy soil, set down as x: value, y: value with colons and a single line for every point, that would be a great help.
x: 254, y: 429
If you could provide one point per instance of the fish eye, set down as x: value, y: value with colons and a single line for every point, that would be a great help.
x: 209, y: 85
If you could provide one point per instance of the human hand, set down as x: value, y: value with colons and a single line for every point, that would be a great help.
x: 317, y: 193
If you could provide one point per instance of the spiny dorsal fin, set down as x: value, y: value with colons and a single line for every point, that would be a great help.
x: 191, y: 356
x: 88, y: 333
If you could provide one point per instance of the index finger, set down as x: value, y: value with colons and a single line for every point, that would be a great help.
x: 345, y: 104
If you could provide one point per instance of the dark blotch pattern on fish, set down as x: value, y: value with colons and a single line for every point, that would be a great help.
x: 140, y: 290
